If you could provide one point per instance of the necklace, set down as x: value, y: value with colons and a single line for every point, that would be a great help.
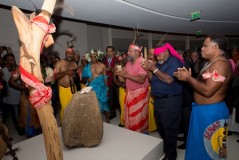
x: 207, y: 64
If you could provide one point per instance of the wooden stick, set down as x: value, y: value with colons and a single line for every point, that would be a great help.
x: 145, y: 53
x: 31, y: 38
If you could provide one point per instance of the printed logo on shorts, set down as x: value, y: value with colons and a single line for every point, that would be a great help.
x: 215, y: 139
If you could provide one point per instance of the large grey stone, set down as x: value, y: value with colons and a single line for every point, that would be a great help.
x: 82, y: 124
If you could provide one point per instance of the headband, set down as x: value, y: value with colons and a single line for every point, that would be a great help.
x: 71, y: 50
x: 167, y: 46
x: 135, y: 47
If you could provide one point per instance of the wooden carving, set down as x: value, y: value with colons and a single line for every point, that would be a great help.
x: 33, y: 33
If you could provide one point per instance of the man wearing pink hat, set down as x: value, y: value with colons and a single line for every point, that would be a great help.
x: 167, y: 94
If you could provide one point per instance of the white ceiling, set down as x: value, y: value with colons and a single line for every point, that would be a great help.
x: 173, y: 16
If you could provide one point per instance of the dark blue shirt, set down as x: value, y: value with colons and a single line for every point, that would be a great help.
x: 160, y: 88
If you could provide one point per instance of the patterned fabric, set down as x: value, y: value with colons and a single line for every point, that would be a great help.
x: 207, y: 132
x: 41, y: 94
x: 98, y: 85
x: 45, y: 26
x: 136, y: 69
x: 215, y: 76
x: 100, y: 88
x: 136, y: 110
x: 87, y: 72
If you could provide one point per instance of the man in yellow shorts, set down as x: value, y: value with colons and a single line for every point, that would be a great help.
x: 64, y: 73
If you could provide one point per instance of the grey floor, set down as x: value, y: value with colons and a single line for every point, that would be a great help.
x: 232, y: 145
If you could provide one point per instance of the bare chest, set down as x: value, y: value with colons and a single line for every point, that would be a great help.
x: 67, y: 66
x: 96, y: 69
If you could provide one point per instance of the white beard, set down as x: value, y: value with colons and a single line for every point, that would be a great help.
x: 160, y: 62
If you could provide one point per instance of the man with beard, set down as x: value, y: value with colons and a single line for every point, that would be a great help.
x: 137, y: 91
x: 64, y: 73
x: 167, y: 95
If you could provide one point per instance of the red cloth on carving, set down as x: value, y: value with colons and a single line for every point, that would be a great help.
x: 41, y: 94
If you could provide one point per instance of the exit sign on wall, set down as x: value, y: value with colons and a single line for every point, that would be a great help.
x: 195, y: 16
x: 198, y: 33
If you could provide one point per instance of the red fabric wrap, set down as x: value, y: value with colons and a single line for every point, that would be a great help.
x: 45, y: 26
x: 41, y: 94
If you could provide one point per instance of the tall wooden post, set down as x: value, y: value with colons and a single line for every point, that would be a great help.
x: 32, y: 36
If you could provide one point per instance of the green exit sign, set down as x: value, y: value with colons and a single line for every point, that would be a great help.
x: 198, y: 33
x: 195, y: 16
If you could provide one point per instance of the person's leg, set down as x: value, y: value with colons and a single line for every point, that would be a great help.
x: 152, y: 122
x: 122, y: 95
x: 172, y: 122
x: 3, y: 111
x: 14, y: 109
x: 186, y: 113
x: 111, y: 105
x: 107, y: 116
x: 54, y: 88
x: 116, y: 97
x: 170, y: 115
x: 157, y: 113
x: 65, y: 96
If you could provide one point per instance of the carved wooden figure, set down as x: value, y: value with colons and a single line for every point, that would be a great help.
x: 33, y: 34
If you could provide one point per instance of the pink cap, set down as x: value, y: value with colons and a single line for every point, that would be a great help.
x: 167, y: 46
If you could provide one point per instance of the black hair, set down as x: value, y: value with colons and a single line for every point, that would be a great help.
x: 110, y: 47
x: 8, y: 55
x: 4, y: 47
x: 220, y: 41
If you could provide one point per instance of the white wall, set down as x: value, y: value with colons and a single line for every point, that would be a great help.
x: 67, y: 28
x: 8, y: 32
x: 9, y: 35
x: 95, y: 37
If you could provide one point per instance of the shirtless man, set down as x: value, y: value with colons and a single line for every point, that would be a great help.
x: 64, y: 73
x: 97, y: 68
x: 209, y: 113
x: 95, y: 74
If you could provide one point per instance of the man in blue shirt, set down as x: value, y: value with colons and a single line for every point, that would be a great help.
x: 167, y: 94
